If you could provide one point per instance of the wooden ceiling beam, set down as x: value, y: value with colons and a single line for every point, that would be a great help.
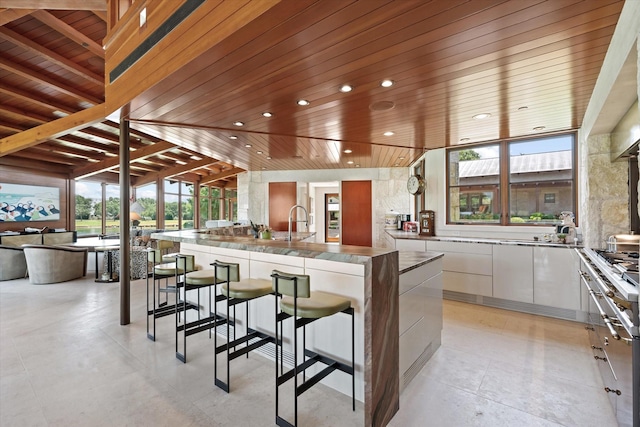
x: 221, y: 175
x: 53, y: 147
x: 67, y: 30
x: 100, y: 14
x: 28, y: 73
x: 31, y: 164
x: 10, y: 15
x: 56, y: 128
x: 91, y: 145
x: 11, y: 127
x: 55, y: 4
x: 24, y: 115
x: 47, y: 103
x: 143, y: 153
x: 101, y: 134
x: 66, y: 63
x: 46, y: 157
x: 177, y: 170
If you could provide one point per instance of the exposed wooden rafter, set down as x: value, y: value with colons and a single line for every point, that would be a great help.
x: 177, y: 170
x: 221, y: 175
x: 63, y: 126
x: 28, y: 73
x: 67, y: 30
x: 52, y: 56
x: 10, y: 15
x: 55, y: 4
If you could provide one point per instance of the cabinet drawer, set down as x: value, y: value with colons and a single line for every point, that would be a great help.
x: 467, y: 283
x: 412, y: 345
x: 412, y: 306
x: 467, y: 263
x: 413, y: 278
x: 465, y: 248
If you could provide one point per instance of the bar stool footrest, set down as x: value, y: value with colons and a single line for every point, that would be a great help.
x: 201, y: 325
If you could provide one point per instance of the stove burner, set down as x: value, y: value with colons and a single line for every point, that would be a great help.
x: 625, y: 262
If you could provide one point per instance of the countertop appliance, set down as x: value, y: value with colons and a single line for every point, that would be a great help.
x: 402, y: 218
x: 611, y: 279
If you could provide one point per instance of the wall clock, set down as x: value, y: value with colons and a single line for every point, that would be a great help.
x: 415, y: 184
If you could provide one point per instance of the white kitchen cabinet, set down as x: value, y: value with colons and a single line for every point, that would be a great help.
x: 420, y: 317
x: 556, y: 282
x: 467, y: 267
x: 411, y: 245
x: 513, y: 273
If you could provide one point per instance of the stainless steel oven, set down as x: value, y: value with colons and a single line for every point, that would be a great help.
x: 614, y: 333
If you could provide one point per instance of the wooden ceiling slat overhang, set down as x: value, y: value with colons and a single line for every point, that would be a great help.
x: 233, y: 60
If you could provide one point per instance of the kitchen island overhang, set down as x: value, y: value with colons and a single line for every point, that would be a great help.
x: 368, y: 276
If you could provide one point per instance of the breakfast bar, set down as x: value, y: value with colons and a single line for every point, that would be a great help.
x: 369, y: 277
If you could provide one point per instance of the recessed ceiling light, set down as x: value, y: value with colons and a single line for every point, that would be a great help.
x: 464, y: 139
x: 482, y: 116
x: 401, y: 158
x: 233, y: 137
x: 387, y: 83
x: 259, y: 152
x: 350, y: 162
x: 389, y: 133
x: 247, y: 145
x: 346, y: 88
x: 267, y: 114
x: 263, y: 168
x: 397, y: 164
x: 357, y: 166
x: 303, y: 102
x: 238, y: 124
x: 522, y: 108
x: 348, y: 151
x: 539, y: 128
x: 195, y: 158
x: 268, y: 157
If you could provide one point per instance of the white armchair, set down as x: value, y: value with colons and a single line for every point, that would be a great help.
x: 53, y: 264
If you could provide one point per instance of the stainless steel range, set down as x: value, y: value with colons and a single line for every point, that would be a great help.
x: 611, y: 279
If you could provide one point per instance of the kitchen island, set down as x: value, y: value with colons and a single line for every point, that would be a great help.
x: 368, y: 277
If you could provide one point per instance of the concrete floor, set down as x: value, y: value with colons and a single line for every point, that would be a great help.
x: 66, y: 361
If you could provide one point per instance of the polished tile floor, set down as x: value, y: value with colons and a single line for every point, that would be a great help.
x: 66, y: 361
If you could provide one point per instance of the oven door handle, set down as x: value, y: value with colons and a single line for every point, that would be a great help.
x: 603, y: 315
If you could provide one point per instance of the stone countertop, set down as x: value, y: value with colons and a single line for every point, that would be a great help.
x: 409, y: 260
x: 340, y: 253
x: 490, y: 241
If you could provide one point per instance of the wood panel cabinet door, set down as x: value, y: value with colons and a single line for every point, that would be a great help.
x: 356, y: 213
x: 282, y: 196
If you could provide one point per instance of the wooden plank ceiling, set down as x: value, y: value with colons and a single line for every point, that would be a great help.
x: 530, y: 64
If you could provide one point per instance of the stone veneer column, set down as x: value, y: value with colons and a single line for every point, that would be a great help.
x: 606, y: 207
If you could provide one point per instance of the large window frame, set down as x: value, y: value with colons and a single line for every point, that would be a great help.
x: 183, y: 194
x: 498, y: 191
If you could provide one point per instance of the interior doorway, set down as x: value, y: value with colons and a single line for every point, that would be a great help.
x: 332, y: 217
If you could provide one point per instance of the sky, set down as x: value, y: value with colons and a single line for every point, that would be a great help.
x: 544, y: 145
x: 93, y: 190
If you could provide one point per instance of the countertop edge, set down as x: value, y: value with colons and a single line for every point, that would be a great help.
x: 410, y: 260
x: 405, y: 235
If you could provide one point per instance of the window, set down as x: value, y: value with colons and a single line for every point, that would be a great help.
x: 179, y: 202
x: 210, y: 199
x: 474, y: 185
x: 146, y: 197
x: 88, y: 208
x: 538, y: 175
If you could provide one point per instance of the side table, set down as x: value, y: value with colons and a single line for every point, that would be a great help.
x: 108, y: 275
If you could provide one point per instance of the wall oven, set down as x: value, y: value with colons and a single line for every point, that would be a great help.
x: 611, y: 280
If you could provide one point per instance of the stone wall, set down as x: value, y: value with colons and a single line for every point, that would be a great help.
x: 388, y: 185
x: 605, y: 202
